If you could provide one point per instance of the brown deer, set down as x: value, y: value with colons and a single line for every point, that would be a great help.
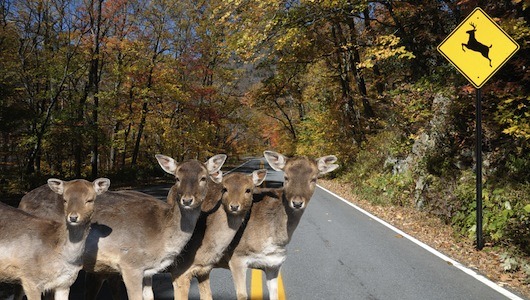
x: 213, y: 233
x: 262, y: 240
x: 137, y: 235
x: 475, y: 45
x: 43, y: 254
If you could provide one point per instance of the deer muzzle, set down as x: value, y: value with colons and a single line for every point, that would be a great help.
x: 73, y: 219
x: 297, y: 203
x: 186, y: 201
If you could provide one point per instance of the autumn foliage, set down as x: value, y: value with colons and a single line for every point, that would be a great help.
x: 99, y: 86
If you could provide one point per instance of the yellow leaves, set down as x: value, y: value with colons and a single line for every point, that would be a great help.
x: 519, y: 130
x: 513, y: 112
x: 385, y: 47
x: 292, y: 39
x: 518, y: 29
x: 248, y: 24
x: 327, y: 3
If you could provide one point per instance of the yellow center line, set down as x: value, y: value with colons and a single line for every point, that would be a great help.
x: 281, y: 290
x: 256, y: 286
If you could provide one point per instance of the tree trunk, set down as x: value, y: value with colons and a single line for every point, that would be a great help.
x: 379, y: 86
x: 355, y: 59
x: 145, y: 107
x: 112, y: 153
x: 141, y: 127
x: 349, y: 108
x: 94, y: 90
x: 91, y: 92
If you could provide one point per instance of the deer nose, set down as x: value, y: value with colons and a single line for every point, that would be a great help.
x: 234, y: 207
x: 298, y: 204
x: 73, y: 218
x: 187, y: 201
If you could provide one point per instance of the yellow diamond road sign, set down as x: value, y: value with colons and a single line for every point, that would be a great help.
x: 478, y: 47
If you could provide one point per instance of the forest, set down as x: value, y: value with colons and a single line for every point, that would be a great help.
x: 98, y: 87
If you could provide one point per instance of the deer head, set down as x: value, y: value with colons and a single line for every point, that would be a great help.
x: 237, y: 190
x: 78, y: 196
x: 191, y: 177
x: 300, y: 175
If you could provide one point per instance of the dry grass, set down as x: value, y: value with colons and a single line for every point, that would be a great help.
x: 433, y: 232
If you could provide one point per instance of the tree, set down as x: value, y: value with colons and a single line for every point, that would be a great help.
x: 48, y: 42
x: 289, y: 36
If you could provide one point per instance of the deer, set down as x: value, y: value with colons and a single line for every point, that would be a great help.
x: 43, y: 254
x: 261, y: 241
x: 475, y: 45
x: 213, y: 233
x: 136, y: 235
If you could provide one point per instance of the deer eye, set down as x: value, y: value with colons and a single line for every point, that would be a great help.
x: 203, y: 178
x: 224, y: 190
x: 286, y: 178
x: 248, y: 191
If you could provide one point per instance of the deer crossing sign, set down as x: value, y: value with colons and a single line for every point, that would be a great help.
x: 478, y: 47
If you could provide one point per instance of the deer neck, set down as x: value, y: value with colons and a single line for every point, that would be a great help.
x: 234, y: 221
x: 73, y: 242
x: 221, y: 227
x: 188, y: 218
x: 182, y: 220
x: 178, y: 217
x: 293, y: 216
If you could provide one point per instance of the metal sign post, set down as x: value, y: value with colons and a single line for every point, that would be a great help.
x: 478, y: 132
x: 477, y: 48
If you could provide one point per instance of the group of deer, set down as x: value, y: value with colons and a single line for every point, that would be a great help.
x: 208, y: 221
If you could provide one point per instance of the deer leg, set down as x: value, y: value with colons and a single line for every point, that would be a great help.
x: 133, y: 280
x: 147, y: 291
x: 176, y: 287
x: 181, y: 286
x: 239, y: 275
x: 271, y: 274
x: 62, y: 294
x: 32, y: 293
x: 204, y: 287
x: 463, y: 47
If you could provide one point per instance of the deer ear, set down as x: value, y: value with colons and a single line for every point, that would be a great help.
x: 276, y: 160
x: 101, y: 185
x: 56, y: 185
x: 258, y: 176
x: 167, y: 163
x: 326, y: 164
x: 217, y: 177
x: 215, y: 163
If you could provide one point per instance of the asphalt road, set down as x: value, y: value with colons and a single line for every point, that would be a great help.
x: 339, y: 252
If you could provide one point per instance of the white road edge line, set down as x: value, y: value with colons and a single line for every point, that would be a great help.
x: 456, y: 264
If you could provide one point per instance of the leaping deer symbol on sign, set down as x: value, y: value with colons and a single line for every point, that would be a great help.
x: 473, y: 44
